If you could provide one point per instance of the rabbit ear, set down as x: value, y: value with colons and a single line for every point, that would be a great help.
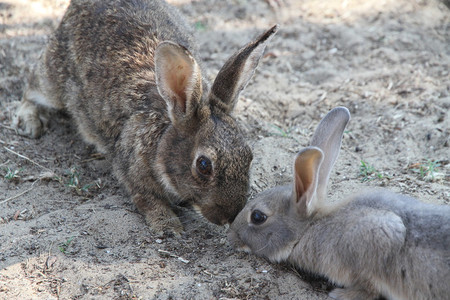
x: 179, y: 80
x: 237, y: 71
x: 328, y: 137
x: 306, y: 175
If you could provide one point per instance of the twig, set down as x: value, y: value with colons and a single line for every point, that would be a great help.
x: 8, y: 127
x: 92, y: 159
x: 20, y: 194
x: 167, y: 253
x: 26, y: 158
x: 94, y: 156
x: 5, y: 163
x: 6, y: 143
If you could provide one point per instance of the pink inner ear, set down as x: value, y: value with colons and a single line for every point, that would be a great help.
x: 299, y: 187
x: 178, y: 70
x: 306, y: 167
x: 177, y: 83
x: 179, y: 80
x: 304, y: 175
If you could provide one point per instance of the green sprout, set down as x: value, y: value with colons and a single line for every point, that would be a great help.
x: 427, y: 170
x: 283, y: 133
x: 199, y: 25
x: 63, y: 246
x: 12, y: 174
x: 368, y: 172
x: 74, y: 178
x: 75, y: 181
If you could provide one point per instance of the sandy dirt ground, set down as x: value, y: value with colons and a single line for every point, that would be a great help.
x: 67, y: 229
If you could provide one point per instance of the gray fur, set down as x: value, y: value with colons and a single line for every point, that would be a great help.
x: 127, y: 73
x: 375, y: 243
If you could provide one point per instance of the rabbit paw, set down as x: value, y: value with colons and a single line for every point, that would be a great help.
x: 164, y: 222
x: 158, y: 215
x: 352, y: 293
x: 28, y: 121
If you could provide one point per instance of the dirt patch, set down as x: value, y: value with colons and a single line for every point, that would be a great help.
x: 68, y: 231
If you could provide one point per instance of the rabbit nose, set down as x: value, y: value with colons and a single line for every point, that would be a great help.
x: 222, y: 222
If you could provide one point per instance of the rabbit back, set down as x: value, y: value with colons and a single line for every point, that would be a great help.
x: 421, y: 267
x: 384, y: 242
x: 103, y: 50
x: 427, y: 224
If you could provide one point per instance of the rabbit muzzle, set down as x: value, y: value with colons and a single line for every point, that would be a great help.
x: 236, y: 242
x: 217, y: 214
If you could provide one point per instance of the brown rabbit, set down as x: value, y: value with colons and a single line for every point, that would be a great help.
x: 372, y: 244
x: 126, y: 72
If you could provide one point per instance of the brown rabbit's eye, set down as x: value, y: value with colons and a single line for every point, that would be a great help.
x: 258, y: 217
x: 204, y: 165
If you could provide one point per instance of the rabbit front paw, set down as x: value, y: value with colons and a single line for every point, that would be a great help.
x: 28, y: 121
x: 159, y: 216
x: 163, y: 223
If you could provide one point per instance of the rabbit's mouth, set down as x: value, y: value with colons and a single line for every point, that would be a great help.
x: 244, y: 248
x: 213, y: 214
x: 236, y: 242
x: 199, y: 211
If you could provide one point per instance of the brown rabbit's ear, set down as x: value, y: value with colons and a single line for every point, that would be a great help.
x: 306, y: 175
x: 179, y: 80
x: 328, y: 137
x: 237, y: 71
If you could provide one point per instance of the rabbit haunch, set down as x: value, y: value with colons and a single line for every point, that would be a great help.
x: 127, y: 73
x: 375, y: 243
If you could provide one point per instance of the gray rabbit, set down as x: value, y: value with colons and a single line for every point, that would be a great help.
x: 376, y: 243
x: 127, y: 73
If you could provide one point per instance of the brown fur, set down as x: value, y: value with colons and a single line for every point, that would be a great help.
x: 127, y: 73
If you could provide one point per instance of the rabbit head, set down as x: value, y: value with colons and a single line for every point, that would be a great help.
x: 272, y: 224
x: 203, y: 157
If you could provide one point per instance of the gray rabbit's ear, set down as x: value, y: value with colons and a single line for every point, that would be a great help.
x: 179, y: 80
x: 237, y: 71
x: 306, y: 176
x: 328, y: 137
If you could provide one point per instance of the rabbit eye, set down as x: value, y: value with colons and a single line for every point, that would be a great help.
x: 204, y: 165
x: 258, y: 217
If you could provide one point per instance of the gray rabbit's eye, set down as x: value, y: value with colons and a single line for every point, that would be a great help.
x: 258, y: 217
x: 204, y: 165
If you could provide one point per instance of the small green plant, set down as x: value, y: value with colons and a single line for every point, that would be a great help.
x: 75, y: 183
x: 368, y: 172
x: 63, y: 246
x: 199, y: 25
x: 427, y: 170
x: 12, y: 174
x: 85, y: 188
x: 74, y: 178
x: 283, y: 133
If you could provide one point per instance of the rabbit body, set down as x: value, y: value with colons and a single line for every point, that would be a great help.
x: 127, y: 73
x: 380, y: 243
x: 375, y: 243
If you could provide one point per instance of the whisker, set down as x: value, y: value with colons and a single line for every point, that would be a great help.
x: 260, y: 249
